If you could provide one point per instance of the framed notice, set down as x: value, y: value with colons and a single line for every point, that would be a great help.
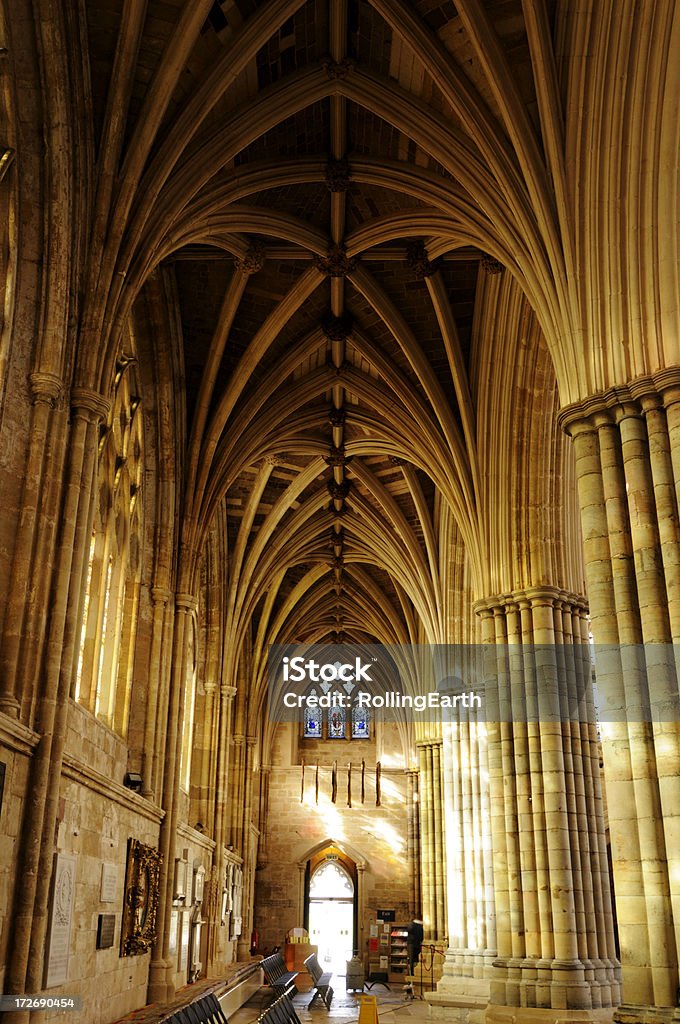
x: 106, y: 926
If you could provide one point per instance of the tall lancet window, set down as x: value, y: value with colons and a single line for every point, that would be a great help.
x: 111, y: 583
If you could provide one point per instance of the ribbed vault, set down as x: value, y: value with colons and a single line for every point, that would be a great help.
x: 353, y: 241
x: 362, y: 220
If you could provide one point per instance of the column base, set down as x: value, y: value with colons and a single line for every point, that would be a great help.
x: 573, y: 985
x: 545, y: 1015
x: 630, y: 1013
x: 460, y: 999
x: 157, y: 987
x: 463, y: 990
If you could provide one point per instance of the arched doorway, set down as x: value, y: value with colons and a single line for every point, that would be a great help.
x: 331, y: 910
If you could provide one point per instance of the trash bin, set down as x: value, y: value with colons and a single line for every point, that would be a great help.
x: 355, y: 976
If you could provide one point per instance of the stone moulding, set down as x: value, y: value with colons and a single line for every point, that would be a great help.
x: 15, y: 736
x: 101, y: 784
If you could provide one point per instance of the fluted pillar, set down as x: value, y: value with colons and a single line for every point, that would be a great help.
x: 555, y: 937
x: 627, y: 447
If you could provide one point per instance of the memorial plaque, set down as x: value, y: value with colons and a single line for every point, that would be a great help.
x: 184, y: 941
x: 180, y: 887
x: 61, y: 912
x: 172, y: 937
x: 106, y: 926
x: 199, y: 884
x: 109, y: 884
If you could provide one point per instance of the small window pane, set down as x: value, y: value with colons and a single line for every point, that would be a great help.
x: 312, y: 724
x: 361, y: 724
x: 336, y: 724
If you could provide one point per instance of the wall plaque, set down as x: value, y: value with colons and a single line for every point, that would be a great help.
x: 184, y: 940
x: 109, y: 884
x: 61, y: 912
x: 106, y: 926
x: 180, y: 886
x: 199, y: 883
x: 172, y: 937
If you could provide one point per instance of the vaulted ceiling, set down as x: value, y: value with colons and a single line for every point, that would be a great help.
x: 352, y: 205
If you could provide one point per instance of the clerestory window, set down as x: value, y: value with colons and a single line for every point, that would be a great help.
x: 103, y: 677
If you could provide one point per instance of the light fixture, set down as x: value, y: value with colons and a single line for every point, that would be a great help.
x: 133, y: 781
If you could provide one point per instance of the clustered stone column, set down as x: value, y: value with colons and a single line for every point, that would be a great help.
x: 30, y: 914
x: 413, y: 841
x: 433, y: 886
x: 554, y: 922
x: 471, y: 908
x: 627, y: 447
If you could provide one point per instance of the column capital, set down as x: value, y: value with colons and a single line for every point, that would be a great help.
x: 229, y: 692
x: 90, y: 404
x: 634, y: 398
x: 186, y: 602
x: 160, y: 595
x: 45, y: 387
x: 534, y: 596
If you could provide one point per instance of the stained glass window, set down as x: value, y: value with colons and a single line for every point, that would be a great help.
x: 312, y: 724
x: 336, y: 724
x: 361, y: 724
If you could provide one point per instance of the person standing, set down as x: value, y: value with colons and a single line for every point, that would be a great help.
x: 414, y: 942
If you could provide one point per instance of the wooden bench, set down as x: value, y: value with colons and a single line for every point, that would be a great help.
x: 277, y: 975
x: 281, y: 1011
x: 203, y: 1011
x: 322, y: 982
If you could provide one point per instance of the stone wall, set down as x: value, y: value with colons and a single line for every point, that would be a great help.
x: 368, y: 834
x: 97, y: 816
x: 16, y: 745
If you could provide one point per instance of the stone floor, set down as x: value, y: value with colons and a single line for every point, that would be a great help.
x: 392, y: 1007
